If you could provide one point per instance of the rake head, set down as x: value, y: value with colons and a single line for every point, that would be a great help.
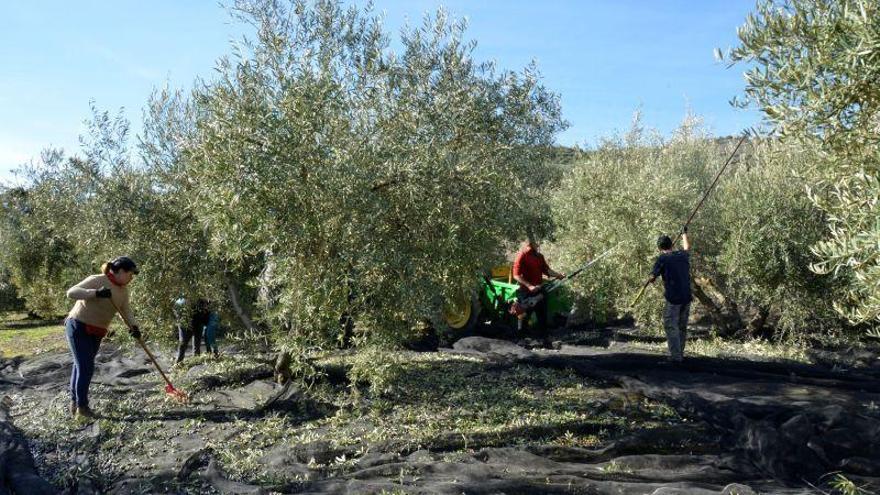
x: 176, y: 394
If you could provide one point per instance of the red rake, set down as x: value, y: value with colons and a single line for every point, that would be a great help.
x: 179, y: 395
x: 169, y: 388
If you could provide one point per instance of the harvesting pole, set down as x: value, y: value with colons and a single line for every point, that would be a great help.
x: 557, y: 283
x: 694, y: 211
x: 518, y: 308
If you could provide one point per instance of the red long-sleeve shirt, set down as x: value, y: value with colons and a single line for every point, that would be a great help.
x: 531, y: 266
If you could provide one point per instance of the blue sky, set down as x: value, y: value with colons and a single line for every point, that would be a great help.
x: 605, y: 58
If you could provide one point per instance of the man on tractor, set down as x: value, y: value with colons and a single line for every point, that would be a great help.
x: 529, y: 268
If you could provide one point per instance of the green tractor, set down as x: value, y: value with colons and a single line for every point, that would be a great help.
x: 496, y: 296
x: 492, y: 300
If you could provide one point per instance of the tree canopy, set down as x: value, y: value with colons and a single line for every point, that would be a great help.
x: 814, y: 67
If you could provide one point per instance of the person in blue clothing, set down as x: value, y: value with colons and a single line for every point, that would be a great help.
x: 675, y: 268
x: 211, y: 332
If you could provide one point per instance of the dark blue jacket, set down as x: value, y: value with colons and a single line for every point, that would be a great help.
x: 675, y: 268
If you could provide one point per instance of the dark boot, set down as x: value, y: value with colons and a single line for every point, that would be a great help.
x: 522, y: 326
x: 85, y: 412
x: 181, y: 352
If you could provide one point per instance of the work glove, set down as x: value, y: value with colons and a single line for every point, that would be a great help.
x: 103, y: 293
x: 135, y: 332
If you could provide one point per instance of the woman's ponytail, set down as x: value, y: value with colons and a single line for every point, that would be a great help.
x: 119, y: 263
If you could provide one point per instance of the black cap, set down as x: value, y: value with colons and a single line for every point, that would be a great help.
x: 124, y: 263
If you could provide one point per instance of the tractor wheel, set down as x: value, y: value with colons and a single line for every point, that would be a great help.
x: 461, y: 315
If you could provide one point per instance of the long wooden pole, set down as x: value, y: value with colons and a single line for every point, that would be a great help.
x: 694, y: 211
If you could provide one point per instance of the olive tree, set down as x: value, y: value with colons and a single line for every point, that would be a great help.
x: 172, y: 240
x: 36, y: 254
x: 750, y: 256
x: 628, y: 191
x: 9, y: 298
x: 770, y: 225
x: 814, y: 68
x: 374, y: 184
x: 76, y: 212
x: 140, y: 206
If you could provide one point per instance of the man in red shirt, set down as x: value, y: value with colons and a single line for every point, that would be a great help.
x: 529, y: 268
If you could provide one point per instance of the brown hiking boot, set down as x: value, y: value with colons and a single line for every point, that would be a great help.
x: 73, y: 408
x: 85, y: 413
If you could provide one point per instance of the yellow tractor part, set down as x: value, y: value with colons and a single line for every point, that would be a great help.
x: 502, y: 272
x: 458, y: 312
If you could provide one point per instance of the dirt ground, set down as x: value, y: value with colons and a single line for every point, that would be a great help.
x: 598, y: 414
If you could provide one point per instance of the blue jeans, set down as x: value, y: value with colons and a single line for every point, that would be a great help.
x: 84, y: 348
x: 211, y: 337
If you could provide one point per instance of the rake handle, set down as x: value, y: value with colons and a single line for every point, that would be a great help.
x: 155, y: 363
x: 140, y: 341
x: 641, y: 293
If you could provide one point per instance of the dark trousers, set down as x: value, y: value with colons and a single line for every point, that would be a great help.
x: 83, y: 348
x: 184, y: 335
x: 675, y: 322
x: 540, y: 311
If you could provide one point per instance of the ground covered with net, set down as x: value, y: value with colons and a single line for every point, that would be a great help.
x: 600, y: 413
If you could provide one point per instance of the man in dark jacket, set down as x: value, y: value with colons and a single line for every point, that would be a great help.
x: 675, y: 268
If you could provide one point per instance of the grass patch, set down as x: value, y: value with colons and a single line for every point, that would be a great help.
x: 7, y: 317
x: 23, y: 336
x: 717, y: 347
x: 30, y: 341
